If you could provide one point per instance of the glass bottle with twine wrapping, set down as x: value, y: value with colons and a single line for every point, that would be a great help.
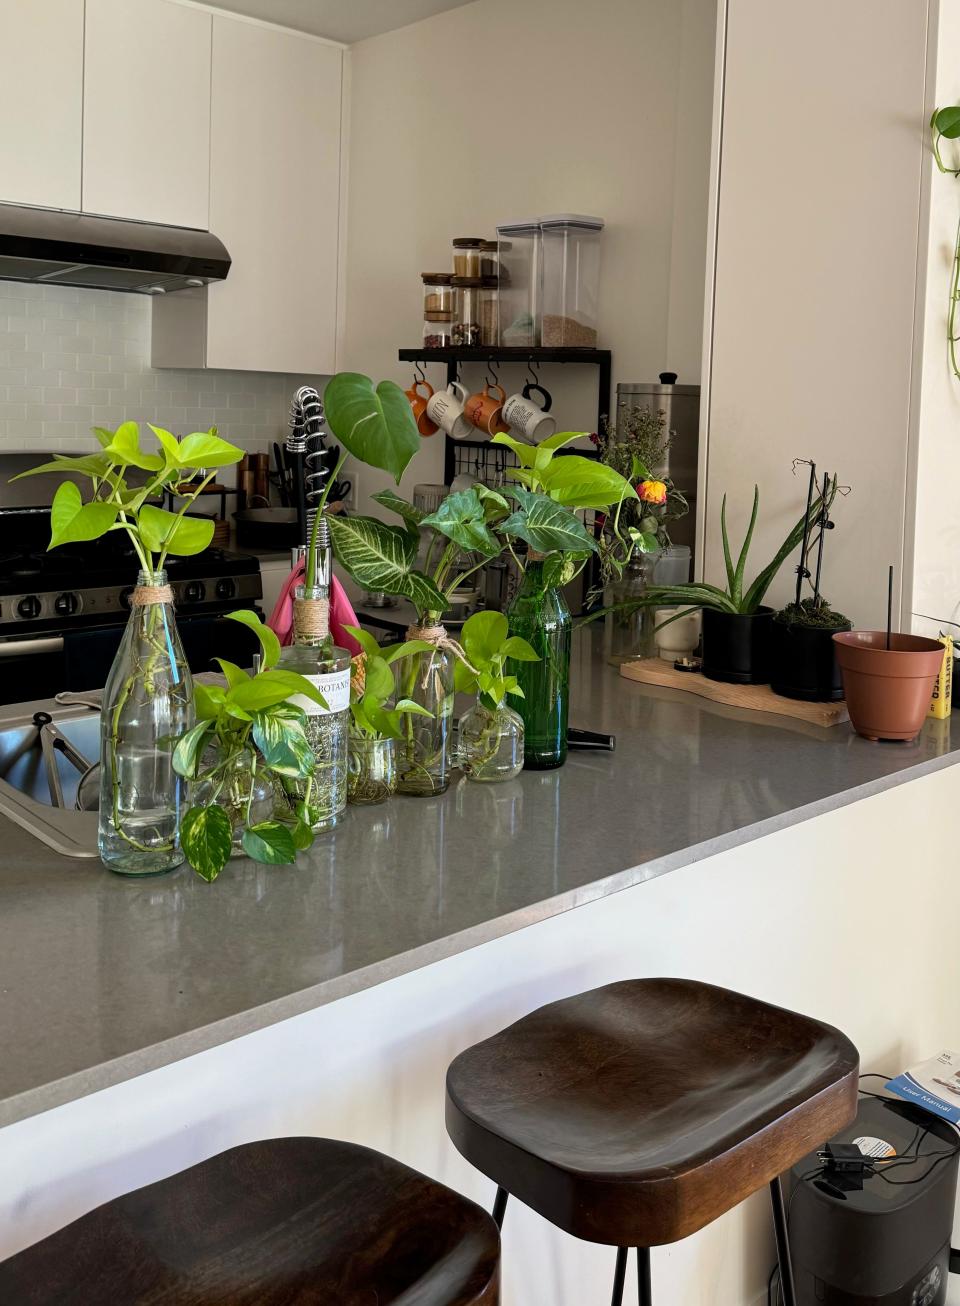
x: 322, y: 799
x: 147, y: 704
x: 424, y: 752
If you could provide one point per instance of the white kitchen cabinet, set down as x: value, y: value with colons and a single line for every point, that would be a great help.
x: 41, y: 102
x: 146, y: 111
x: 274, y: 202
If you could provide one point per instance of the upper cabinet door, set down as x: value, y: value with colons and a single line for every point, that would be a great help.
x: 146, y: 111
x: 41, y: 102
x: 274, y: 198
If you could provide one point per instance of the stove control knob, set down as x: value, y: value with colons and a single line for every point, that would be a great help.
x: 125, y: 597
x: 66, y: 604
x: 226, y: 588
x: 29, y: 608
x: 194, y: 591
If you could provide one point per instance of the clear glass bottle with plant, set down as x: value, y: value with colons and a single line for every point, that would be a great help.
x: 552, y: 489
x: 147, y: 701
x: 321, y: 796
x: 249, y: 741
x: 638, y: 449
x: 470, y: 528
x: 376, y: 727
x: 490, y: 736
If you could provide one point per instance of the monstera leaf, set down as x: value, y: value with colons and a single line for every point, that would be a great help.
x: 374, y: 423
x: 381, y: 557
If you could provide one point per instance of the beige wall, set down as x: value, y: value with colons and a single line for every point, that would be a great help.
x: 510, y: 108
x: 818, y: 232
x: 936, y: 561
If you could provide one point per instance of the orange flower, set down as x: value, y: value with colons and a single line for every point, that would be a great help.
x: 652, y: 491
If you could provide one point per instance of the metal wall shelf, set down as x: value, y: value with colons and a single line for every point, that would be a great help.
x: 602, y: 359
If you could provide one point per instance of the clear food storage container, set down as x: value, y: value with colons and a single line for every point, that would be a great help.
x: 467, y: 255
x: 571, y: 281
x: 466, y: 314
x: 519, y: 255
x: 489, y: 305
x: 437, y: 310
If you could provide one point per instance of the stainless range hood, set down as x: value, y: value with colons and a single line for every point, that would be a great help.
x: 57, y: 248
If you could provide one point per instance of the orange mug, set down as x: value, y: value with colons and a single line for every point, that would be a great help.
x: 418, y: 402
x: 485, y: 409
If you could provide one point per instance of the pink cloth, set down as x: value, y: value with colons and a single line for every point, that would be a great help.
x: 341, y: 612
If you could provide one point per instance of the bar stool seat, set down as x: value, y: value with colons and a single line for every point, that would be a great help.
x: 286, y: 1222
x: 637, y: 1113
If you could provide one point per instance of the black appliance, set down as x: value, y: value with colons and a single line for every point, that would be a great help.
x: 62, y: 613
x: 59, y: 248
x: 876, y: 1233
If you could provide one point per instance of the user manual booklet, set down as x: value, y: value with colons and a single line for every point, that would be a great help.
x: 933, y: 1084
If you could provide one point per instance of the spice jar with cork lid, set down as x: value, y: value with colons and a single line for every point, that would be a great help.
x: 489, y: 260
x: 466, y: 315
x: 467, y: 256
x: 438, y: 308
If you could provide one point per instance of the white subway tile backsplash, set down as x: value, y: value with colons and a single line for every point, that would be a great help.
x: 71, y: 359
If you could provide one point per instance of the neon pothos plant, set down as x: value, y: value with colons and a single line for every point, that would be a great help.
x: 489, y: 646
x: 115, y: 505
x: 945, y: 126
x: 250, y: 727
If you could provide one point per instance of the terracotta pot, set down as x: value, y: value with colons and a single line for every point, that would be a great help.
x: 736, y: 646
x: 888, y: 691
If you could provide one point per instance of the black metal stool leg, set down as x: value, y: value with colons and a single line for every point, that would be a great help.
x: 619, y: 1277
x: 788, y: 1292
x: 643, y: 1276
x: 500, y: 1206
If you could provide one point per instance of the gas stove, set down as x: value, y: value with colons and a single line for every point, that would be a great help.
x: 62, y: 612
x: 90, y: 583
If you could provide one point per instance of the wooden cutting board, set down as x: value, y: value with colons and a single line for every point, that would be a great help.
x: 755, y: 698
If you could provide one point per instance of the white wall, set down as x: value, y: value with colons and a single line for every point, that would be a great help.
x: 774, y: 918
x: 512, y: 108
x: 820, y: 198
x: 71, y: 359
x: 936, y: 561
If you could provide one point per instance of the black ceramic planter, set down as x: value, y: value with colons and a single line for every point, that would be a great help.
x: 804, y: 662
x: 736, y: 646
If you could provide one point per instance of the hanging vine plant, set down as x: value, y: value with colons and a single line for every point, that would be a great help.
x: 945, y: 126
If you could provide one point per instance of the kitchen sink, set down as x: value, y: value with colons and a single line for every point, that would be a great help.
x: 45, y: 749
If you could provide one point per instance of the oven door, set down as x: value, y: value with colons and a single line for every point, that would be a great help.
x: 33, y: 669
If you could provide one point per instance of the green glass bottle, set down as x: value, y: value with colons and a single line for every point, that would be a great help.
x: 539, y: 613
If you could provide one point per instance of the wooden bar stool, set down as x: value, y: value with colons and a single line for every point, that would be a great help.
x: 286, y: 1222
x: 637, y: 1113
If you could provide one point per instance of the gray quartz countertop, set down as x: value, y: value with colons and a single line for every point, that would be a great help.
x: 102, y: 978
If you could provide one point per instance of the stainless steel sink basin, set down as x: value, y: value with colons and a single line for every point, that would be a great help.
x: 28, y: 792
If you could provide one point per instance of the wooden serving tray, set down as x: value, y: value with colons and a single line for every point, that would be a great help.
x: 755, y: 698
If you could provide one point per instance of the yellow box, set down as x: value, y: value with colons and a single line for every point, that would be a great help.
x: 941, y: 704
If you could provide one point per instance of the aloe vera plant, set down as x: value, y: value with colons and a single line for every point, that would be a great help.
x: 737, y: 597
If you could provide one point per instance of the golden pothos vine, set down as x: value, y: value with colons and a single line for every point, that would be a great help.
x: 945, y: 126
